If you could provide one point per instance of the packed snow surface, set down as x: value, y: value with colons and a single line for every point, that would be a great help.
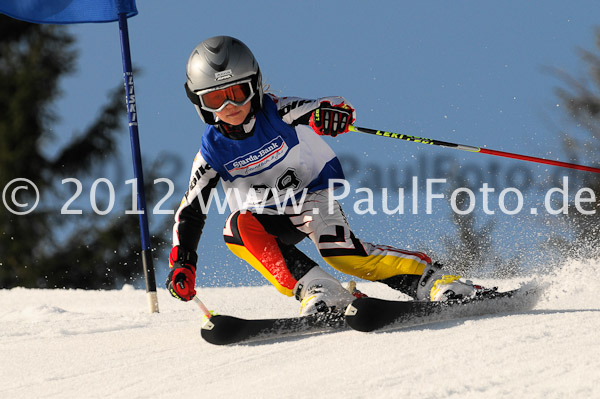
x: 87, y: 344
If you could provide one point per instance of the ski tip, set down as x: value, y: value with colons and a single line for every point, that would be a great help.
x: 208, y: 325
x: 222, y: 330
x: 350, y: 311
x: 363, y: 314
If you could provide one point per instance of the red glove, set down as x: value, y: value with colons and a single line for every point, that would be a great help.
x: 181, y: 281
x: 331, y: 120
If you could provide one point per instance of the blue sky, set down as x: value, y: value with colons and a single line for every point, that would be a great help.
x: 462, y: 71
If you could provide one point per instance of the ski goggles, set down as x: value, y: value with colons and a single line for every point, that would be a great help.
x: 215, y: 100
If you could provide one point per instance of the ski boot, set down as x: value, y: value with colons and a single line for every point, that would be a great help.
x: 437, y: 286
x: 318, y: 291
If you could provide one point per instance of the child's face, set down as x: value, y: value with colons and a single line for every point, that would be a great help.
x: 233, y: 114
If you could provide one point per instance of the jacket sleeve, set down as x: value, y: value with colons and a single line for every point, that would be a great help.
x: 191, y: 214
x: 297, y: 111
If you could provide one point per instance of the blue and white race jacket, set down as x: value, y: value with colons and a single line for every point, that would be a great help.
x: 279, y: 157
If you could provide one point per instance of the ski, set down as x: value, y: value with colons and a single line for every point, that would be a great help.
x: 370, y: 314
x: 227, y: 330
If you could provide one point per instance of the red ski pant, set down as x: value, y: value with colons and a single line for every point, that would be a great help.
x: 266, y: 242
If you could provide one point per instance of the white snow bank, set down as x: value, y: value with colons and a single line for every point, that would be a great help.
x: 75, y: 343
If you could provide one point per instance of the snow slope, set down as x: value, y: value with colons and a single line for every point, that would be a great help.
x: 75, y: 343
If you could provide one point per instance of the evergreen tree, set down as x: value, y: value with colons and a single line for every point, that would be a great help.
x: 45, y: 248
x: 470, y: 248
x: 581, y: 101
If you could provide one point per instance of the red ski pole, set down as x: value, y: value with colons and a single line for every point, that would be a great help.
x: 469, y: 148
x: 203, y: 308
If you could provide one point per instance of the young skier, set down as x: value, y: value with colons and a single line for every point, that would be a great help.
x: 263, y: 148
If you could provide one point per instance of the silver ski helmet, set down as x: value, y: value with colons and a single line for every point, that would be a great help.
x: 217, y: 63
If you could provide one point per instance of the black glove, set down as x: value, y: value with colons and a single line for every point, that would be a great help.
x: 331, y: 120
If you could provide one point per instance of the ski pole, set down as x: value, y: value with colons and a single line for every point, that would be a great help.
x: 469, y: 148
x: 203, y: 308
